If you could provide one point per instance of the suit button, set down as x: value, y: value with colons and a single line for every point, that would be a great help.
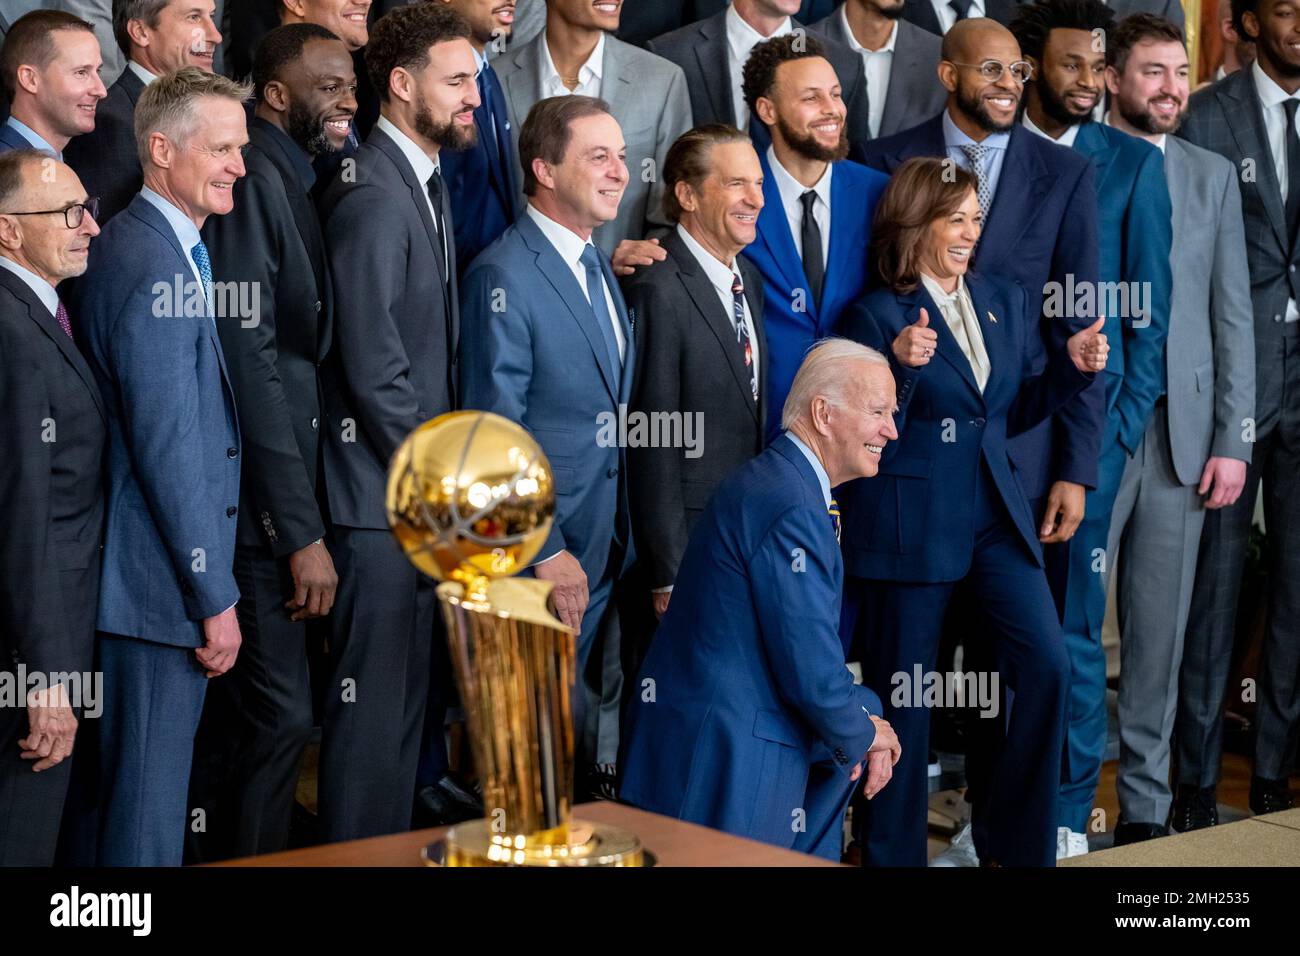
x: 231, y: 511
x: 1291, y: 268
x: 612, y: 473
x: 317, y: 305
x: 977, y: 422
x: 315, y: 423
x: 1277, y: 318
x: 232, y: 452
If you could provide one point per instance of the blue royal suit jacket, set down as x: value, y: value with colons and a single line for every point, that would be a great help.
x: 1136, y: 230
x: 11, y: 139
x: 794, y: 321
x: 531, y: 351
x: 173, y: 462
x: 914, y: 522
x: 1041, y: 228
x: 749, y: 683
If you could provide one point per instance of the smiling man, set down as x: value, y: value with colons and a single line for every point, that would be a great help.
x: 157, y: 37
x: 167, y: 596
x: 392, y: 254
x: 50, y: 66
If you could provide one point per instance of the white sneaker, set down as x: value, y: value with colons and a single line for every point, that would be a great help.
x: 961, y: 852
x: 1069, y: 843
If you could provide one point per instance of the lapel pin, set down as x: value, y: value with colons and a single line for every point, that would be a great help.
x: 993, y: 318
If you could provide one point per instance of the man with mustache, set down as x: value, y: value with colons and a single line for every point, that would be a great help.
x: 156, y: 37
x: 1060, y: 38
x: 1249, y: 117
x: 50, y: 67
x: 257, y: 722
x: 815, y: 227
x: 392, y: 255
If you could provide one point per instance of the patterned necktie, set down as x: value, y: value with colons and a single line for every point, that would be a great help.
x: 814, y: 266
x: 742, y: 331
x: 834, y: 512
x: 596, y: 293
x: 199, y: 253
x: 975, y: 153
x: 62, y: 315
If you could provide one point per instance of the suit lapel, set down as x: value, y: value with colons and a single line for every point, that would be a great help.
x: 947, y: 349
x: 712, y: 57
x: 1175, y: 172
x: 1026, y: 182
x: 902, y: 71
x: 419, y: 198
x: 1245, y: 118
x: 774, y: 235
x: 840, y: 248
x: 1091, y: 142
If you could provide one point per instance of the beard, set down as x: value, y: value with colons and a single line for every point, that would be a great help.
x: 890, y: 13
x: 308, y: 131
x: 1147, y: 121
x: 810, y: 148
x: 1055, y: 107
x: 974, y: 107
x: 449, y: 135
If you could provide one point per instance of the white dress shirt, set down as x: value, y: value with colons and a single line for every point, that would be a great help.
x: 570, y: 246
x: 33, y: 138
x: 720, y: 276
x: 145, y: 76
x: 1066, y: 139
x: 741, y: 39
x: 823, y: 478
x: 948, y: 16
x: 588, y: 76
x: 958, y: 313
x: 423, y: 166
x: 1271, y: 97
x: 43, y: 290
x: 877, y: 63
x: 791, y: 189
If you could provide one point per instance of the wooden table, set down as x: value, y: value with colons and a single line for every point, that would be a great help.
x: 672, y: 842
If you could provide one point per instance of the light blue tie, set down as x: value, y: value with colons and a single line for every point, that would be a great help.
x: 199, y: 253
x: 596, y: 292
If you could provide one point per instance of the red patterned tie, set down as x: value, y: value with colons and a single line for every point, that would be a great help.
x: 62, y: 316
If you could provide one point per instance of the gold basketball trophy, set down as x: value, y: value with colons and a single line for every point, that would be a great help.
x: 471, y: 498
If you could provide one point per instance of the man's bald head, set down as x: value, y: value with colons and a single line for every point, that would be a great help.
x: 975, y: 38
x: 971, y: 51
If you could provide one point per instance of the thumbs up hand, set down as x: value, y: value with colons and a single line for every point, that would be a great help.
x: 1088, y: 348
x: 916, y: 343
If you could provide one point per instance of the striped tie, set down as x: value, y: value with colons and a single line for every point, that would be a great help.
x: 834, y: 512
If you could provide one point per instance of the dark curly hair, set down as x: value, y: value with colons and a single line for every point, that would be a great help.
x: 281, y: 47
x: 402, y: 37
x: 760, y: 69
x: 1034, y: 21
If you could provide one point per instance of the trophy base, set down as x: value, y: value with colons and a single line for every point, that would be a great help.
x: 470, y: 844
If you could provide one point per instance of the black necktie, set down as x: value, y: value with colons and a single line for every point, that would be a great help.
x: 1292, y: 169
x: 435, y: 197
x: 961, y: 7
x: 814, y: 268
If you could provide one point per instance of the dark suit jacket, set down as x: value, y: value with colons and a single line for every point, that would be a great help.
x: 689, y: 362
x: 915, y: 93
x: 173, y: 473
x: 747, y: 666
x: 1041, y: 228
x: 106, y: 158
x: 700, y: 49
x: 272, y: 242
x: 10, y: 138
x: 921, y: 12
x: 396, y: 326
x: 54, y: 430
x: 914, y: 522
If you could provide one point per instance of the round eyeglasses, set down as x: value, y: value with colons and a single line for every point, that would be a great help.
x: 1022, y: 71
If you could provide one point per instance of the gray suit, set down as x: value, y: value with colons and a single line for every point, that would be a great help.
x: 1169, y: 9
x: 1158, y: 515
x: 646, y: 94
x: 530, y: 21
x: 915, y: 93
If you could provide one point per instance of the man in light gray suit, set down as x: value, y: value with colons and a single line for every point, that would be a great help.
x: 901, y: 62
x: 578, y: 53
x: 1193, y: 456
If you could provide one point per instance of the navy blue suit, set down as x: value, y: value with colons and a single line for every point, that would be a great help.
x: 173, y: 493
x: 794, y: 320
x: 1136, y: 234
x: 745, y: 717
x: 480, y: 180
x: 1041, y: 228
x: 10, y: 138
x: 947, y: 506
x: 533, y: 351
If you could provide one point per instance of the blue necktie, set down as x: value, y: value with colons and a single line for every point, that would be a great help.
x: 199, y: 253
x: 596, y: 292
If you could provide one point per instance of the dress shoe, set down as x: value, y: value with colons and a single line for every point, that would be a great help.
x: 445, y: 803
x: 1127, y: 833
x: 1195, y: 808
x: 960, y: 852
x: 1269, y: 796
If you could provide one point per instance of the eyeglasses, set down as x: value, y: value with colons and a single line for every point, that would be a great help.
x: 73, y: 215
x: 1022, y: 71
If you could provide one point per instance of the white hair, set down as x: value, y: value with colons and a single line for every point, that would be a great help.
x: 828, y: 370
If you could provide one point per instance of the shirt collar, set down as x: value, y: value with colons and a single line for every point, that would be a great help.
x: 1158, y: 142
x: 297, y: 155
x: 43, y: 290
x: 953, y: 136
x: 719, y: 274
x: 853, y: 41
x: 29, y: 134
x: 567, y: 243
x: 742, y: 38
x: 822, y: 478
x: 1066, y: 138
x: 1270, y: 94
x: 791, y: 189
x: 145, y: 76
x: 181, y: 224
x: 938, y: 294
x: 421, y: 164
x: 595, y: 63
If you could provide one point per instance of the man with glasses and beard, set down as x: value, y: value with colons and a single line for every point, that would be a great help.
x: 392, y: 255
x: 1060, y: 39
x: 1039, y: 207
x: 256, y: 723
x: 815, y: 227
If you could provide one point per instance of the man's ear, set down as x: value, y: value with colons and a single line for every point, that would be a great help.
x: 11, y: 234
x: 1250, y: 23
x: 296, y: 7
x: 765, y: 110
x: 161, y: 151
x: 542, y: 173
x: 685, y: 196
x: 948, y: 76
x: 276, y: 96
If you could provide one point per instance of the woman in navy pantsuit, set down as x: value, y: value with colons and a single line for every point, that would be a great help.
x: 948, y: 507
